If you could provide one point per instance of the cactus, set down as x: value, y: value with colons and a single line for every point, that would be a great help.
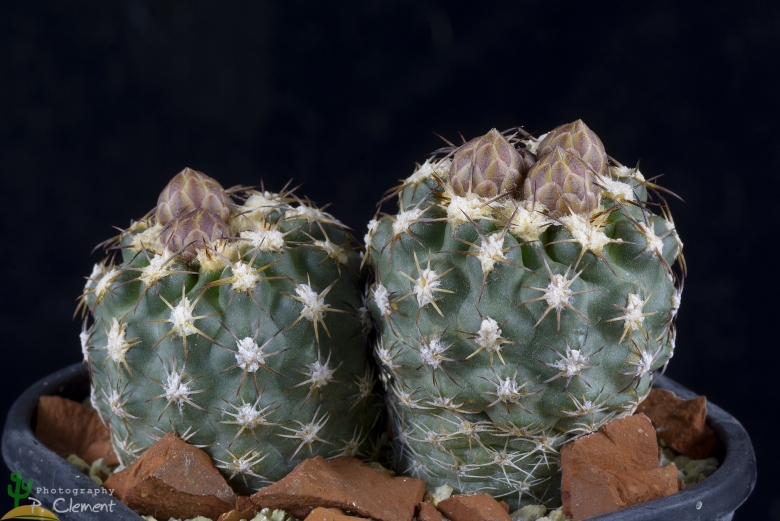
x: 233, y: 319
x: 21, y: 490
x: 524, y: 295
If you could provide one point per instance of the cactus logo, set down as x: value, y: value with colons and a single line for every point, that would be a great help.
x: 21, y: 490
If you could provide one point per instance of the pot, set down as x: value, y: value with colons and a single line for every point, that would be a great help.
x: 716, y: 498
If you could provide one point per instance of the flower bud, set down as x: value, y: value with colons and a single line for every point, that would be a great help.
x: 576, y: 139
x: 486, y: 166
x: 191, y: 190
x: 563, y: 183
x: 193, y: 231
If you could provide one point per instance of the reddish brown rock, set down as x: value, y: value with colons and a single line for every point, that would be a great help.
x: 245, y: 510
x: 67, y: 427
x: 344, y: 483
x: 614, y: 468
x: 504, y: 505
x: 173, y: 479
x: 680, y: 423
x: 238, y: 515
x: 478, y: 507
x: 244, y: 503
x: 427, y: 512
x: 330, y: 514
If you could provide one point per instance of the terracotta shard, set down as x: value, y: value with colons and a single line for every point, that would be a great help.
x: 682, y: 424
x: 478, y: 507
x: 67, y: 427
x: 344, y: 483
x: 238, y: 515
x: 173, y: 479
x: 330, y: 514
x: 614, y: 468
x: 244, y: 503
x: 245, y: 510
x: 428, y: 512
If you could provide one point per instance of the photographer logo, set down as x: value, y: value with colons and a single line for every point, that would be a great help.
x: 21, y: 490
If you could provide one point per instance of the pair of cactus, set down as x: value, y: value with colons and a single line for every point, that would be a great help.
x: 521, y: 296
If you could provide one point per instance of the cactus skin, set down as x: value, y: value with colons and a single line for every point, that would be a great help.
x: 249, y: 342
x: 507, y: 329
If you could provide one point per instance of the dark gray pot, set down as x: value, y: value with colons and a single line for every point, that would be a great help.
x: 716, y: 498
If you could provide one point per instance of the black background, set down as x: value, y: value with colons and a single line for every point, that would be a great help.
x: 102, y: 102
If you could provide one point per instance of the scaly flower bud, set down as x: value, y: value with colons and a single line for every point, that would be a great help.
x: 195, y: 231
x: 563, y: 183
x: 191, y: 190
x: 487, y: 166
x: 576, y: 139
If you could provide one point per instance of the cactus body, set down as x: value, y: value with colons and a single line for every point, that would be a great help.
x: 233, y: 319
x: 511, y: 325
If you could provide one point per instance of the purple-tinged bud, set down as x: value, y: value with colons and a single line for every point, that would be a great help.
x: 191, y: 190
x: 563, y: 183
x: 487, y: 166
x: 193, y: 231
x: 576, y: 139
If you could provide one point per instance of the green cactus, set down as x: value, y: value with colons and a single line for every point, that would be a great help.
x: 234, y: 319
x: 21, y: 490
x: 524, y: 295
